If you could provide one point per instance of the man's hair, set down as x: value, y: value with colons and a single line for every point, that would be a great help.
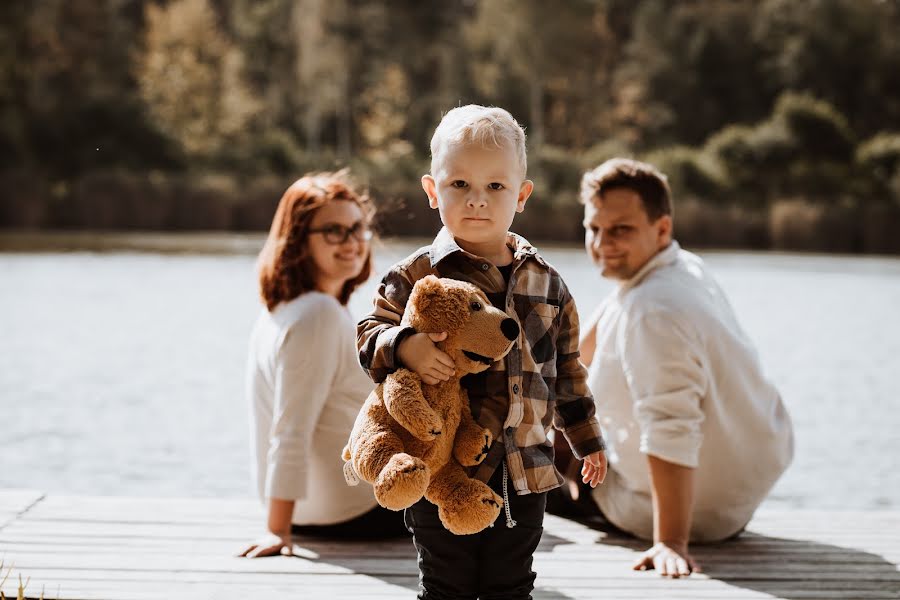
x: 644, y: 179
x: 285, y: 266
x: 490, y: 127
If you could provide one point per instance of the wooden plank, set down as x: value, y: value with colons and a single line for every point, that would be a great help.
x: 140, y: 530
x: 15, y: 502
x: 305, y: 592
x: 18, y: 499
x: 607, y: 578
x: 142, y: 548
x: 647, y: 582
x: 404, y: 545
x: 587, y: 555
x: 584, y: 570
x: 370, y: 588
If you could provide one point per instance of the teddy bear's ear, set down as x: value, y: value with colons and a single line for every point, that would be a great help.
x: 435, y: 306
x: 426, y: 293
x: 428, y: 285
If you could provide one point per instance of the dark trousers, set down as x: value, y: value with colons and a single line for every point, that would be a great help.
x: 492, y: 564
x: 378, y: 523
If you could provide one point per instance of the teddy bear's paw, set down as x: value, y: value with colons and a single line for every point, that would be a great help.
x: 402, y: 482
x: 482, y: 454
x: 421, y: 421
x: 474, y: 516
x: 472, y: 447
x: 428, y: 428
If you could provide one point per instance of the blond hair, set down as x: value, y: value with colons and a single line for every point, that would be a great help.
x: 488, y: 126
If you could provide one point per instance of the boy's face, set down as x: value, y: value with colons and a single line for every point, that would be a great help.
x: 478, y: 190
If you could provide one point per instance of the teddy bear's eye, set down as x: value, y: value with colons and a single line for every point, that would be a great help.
x: 476, y: 305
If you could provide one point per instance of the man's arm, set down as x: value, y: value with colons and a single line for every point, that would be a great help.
x: 672, y: 488
x: 664, y: 366
x: 587, y: 345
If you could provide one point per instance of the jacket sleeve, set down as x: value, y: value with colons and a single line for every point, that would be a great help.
x: 664, y: 369
x: 379, y: 333
x: 575, y: 410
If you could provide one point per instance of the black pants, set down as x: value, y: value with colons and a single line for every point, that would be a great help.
x: 375, y: 524
x: 492, y: 564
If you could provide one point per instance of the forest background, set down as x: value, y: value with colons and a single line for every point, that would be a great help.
x: 777, y: 121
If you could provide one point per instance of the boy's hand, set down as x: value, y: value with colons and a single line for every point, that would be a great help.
x: 593, y: 471
x: 419, y: 354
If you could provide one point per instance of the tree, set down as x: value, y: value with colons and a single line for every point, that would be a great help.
x: 261, y: 28
x: 69, y: 100
x: 544, y: 51
x: 191, y: 78
x: 845, y: 52
x: 689, y: 69
x: 878, y: 159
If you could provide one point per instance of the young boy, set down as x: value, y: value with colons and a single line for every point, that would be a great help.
x: 478, y: 184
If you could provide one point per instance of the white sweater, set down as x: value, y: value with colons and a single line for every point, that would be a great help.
x: 305, y: 388
x: 675, y: 376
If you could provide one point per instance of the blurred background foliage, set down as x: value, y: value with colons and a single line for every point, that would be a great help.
x: 777, y: 121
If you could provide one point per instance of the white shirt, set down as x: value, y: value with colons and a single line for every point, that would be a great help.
x: 675, y: 376
x: 305, y: 388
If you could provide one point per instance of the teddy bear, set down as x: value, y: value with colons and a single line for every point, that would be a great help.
x: 412, y: 439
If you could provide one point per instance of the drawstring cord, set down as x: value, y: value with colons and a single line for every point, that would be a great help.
x: 509, y: 520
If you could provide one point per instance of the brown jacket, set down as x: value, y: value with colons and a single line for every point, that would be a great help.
x: 539, y: 384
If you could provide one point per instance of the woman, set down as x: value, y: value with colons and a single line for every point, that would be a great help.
x: 304, y: 382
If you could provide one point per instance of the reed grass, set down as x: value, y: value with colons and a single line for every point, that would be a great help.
x: 20, y: 591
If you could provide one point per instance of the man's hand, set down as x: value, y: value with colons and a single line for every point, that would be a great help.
x: 593, y: 471
x: 419, y: 354
x: 270, y: 545
x: 670, y: 560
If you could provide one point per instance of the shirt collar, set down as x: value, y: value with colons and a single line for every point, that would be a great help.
x: 444, y: 245
x: 663, y: 258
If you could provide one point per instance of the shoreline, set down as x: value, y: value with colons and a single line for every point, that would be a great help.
x: 250, y: 243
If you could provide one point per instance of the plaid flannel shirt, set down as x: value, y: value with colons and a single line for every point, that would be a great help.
x: 539, y: 384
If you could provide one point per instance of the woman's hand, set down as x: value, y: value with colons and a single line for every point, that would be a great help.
x: 270, y: 545
x: 277, y: 539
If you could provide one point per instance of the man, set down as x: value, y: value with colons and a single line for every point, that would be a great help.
x: 697, y: 436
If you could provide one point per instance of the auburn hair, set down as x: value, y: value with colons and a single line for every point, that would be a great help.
x: 286, y: 269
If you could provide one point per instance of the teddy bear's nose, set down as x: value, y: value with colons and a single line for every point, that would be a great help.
x: 510, y: 329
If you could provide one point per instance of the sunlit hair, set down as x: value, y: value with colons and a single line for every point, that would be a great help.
x: 285, y: 267
x: 490, y: 127
x: 642, y: 178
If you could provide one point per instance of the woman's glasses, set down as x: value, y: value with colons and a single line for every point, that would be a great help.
x: 338, y: 234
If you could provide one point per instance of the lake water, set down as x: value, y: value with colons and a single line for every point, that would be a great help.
x: 121, y: 371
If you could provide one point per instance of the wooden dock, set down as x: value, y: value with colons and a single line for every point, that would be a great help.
x: 136, y: 548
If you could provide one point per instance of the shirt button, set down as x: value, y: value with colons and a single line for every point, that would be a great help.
x: 485, y: 266
x: 515, y: 388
